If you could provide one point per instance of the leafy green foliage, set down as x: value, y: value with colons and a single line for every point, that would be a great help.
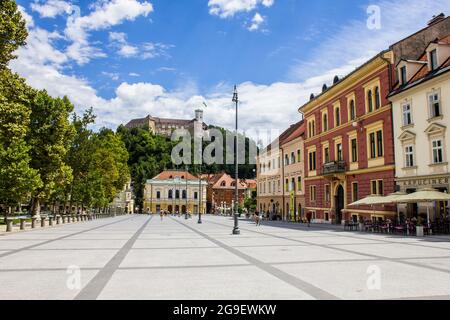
x: 13, y: 31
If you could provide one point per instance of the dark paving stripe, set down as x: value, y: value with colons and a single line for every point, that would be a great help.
x: 93, y: 289
x: 330, y: 247
x: 305, y: 287
x: 61, y: 238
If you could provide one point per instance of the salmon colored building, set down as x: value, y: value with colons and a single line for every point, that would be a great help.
x: 349, y: 147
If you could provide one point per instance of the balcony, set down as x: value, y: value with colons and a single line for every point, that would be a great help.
x: 335, y: 167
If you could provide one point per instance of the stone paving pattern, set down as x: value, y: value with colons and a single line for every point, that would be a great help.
x: 140, y: 257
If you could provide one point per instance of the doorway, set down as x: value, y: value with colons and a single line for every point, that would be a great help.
x: 339, y: 204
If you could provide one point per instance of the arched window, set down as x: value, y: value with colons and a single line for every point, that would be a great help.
x: 370, y: 101
x: 158, y: 195
x: 170, y: 194
x: 352, y: 110
x: 233, y: 184
x: 177, y: 194
x: 377, y: 98
x: 184, y: 194
x: 338, y: 116
x: 223, y: 184
x: 325, y: 122
x: 286, y: 160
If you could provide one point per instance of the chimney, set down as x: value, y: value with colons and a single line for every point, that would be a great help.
x: 436, y: 19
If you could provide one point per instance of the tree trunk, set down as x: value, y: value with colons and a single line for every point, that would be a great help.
x: 36, y: 210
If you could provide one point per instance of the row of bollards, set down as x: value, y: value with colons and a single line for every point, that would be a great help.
x: 56, y: 219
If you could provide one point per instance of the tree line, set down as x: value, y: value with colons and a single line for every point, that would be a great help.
x: 48, y: 154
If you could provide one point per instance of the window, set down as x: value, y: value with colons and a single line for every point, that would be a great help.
x: 370, y: 101
x: 327, y: 193
x: 312, y: 193
x: 325, y: 122
x: 355, y: 196
x: 312, y: 161
x: 376, y: 144
x: 311, y: 128
x: 433, y: 60
x: 339, y: 152
x: 184, y: 194
x: 299, y: 156
x: 170, y: 194
x: 337, y: 115
x: 299, y: 184
x: 286, y: 160
x: 438, y: 152
x: 435, y: 105
x: 293, y: 184
x: 377, y: 187
x: 407, y: 118
x: 352, y: 110
x: 158, y: 194
x: 177, y: 194
x: 195, y: 195
x: 286, y: 187
x: 380, y: 143
x: 377, y: 98
x: 292, y: 158
x: 354, y: 144
x: 409, y: 156
x: 372, y: 146
x: 403, y: 76
x: 327, y: 155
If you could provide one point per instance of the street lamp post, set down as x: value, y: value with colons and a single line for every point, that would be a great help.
x: 186, y: 211
x: 200, y: 196
x: 236, y: 230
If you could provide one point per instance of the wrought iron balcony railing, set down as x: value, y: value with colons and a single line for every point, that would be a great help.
x: 334, y: 167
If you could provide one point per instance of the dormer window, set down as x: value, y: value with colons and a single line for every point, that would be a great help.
x: 403, y: 75
x: 433, y: 59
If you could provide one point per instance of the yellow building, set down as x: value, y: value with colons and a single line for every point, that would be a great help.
x: 175, y: 191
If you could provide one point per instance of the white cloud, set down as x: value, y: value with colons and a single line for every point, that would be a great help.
x: 52, y: 8
x: 147, y: 50
x: 262, y: 105
x: 256, y: 23
x: 355, y: 41
x: 228, y: 8
x: 104, y: 15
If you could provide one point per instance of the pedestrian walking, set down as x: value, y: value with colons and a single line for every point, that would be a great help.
x: 257, y: 218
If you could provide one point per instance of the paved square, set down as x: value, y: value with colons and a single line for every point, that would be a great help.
x: 139, y: 257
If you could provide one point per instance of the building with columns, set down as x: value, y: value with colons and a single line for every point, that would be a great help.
x: 175, y: 191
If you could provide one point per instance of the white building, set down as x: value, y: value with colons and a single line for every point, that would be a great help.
x: 421, y: 114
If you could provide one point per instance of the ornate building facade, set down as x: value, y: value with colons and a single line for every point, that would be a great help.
x: 421, y: 113
x: 175, y: 191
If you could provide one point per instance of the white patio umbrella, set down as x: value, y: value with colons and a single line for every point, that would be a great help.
x: 427, y: 195
x: 368, y: 201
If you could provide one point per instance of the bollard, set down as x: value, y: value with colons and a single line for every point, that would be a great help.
x: 50, y: 221
x: 73, y: 218
x: 58, y: 219
x: 9, y: 223
x: 43, y: 222
x: 63, y: 219
x: 22, y: 223
x: 33, y: 222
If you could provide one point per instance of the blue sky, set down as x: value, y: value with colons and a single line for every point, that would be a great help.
x: 130, y: 58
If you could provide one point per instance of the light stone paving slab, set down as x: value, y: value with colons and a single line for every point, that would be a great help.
x: 32, y: 259
x: 300, y: 253
x: 40, y: 285
x: 69, y: 244
x: 236, y: 283
x: 395, y: 251
x: 172, y: 243
x: 179, y: 257
x: 10, y: 244
x: 350, y: 280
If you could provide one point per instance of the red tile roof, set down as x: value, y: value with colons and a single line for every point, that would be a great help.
x: 171, y: 174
